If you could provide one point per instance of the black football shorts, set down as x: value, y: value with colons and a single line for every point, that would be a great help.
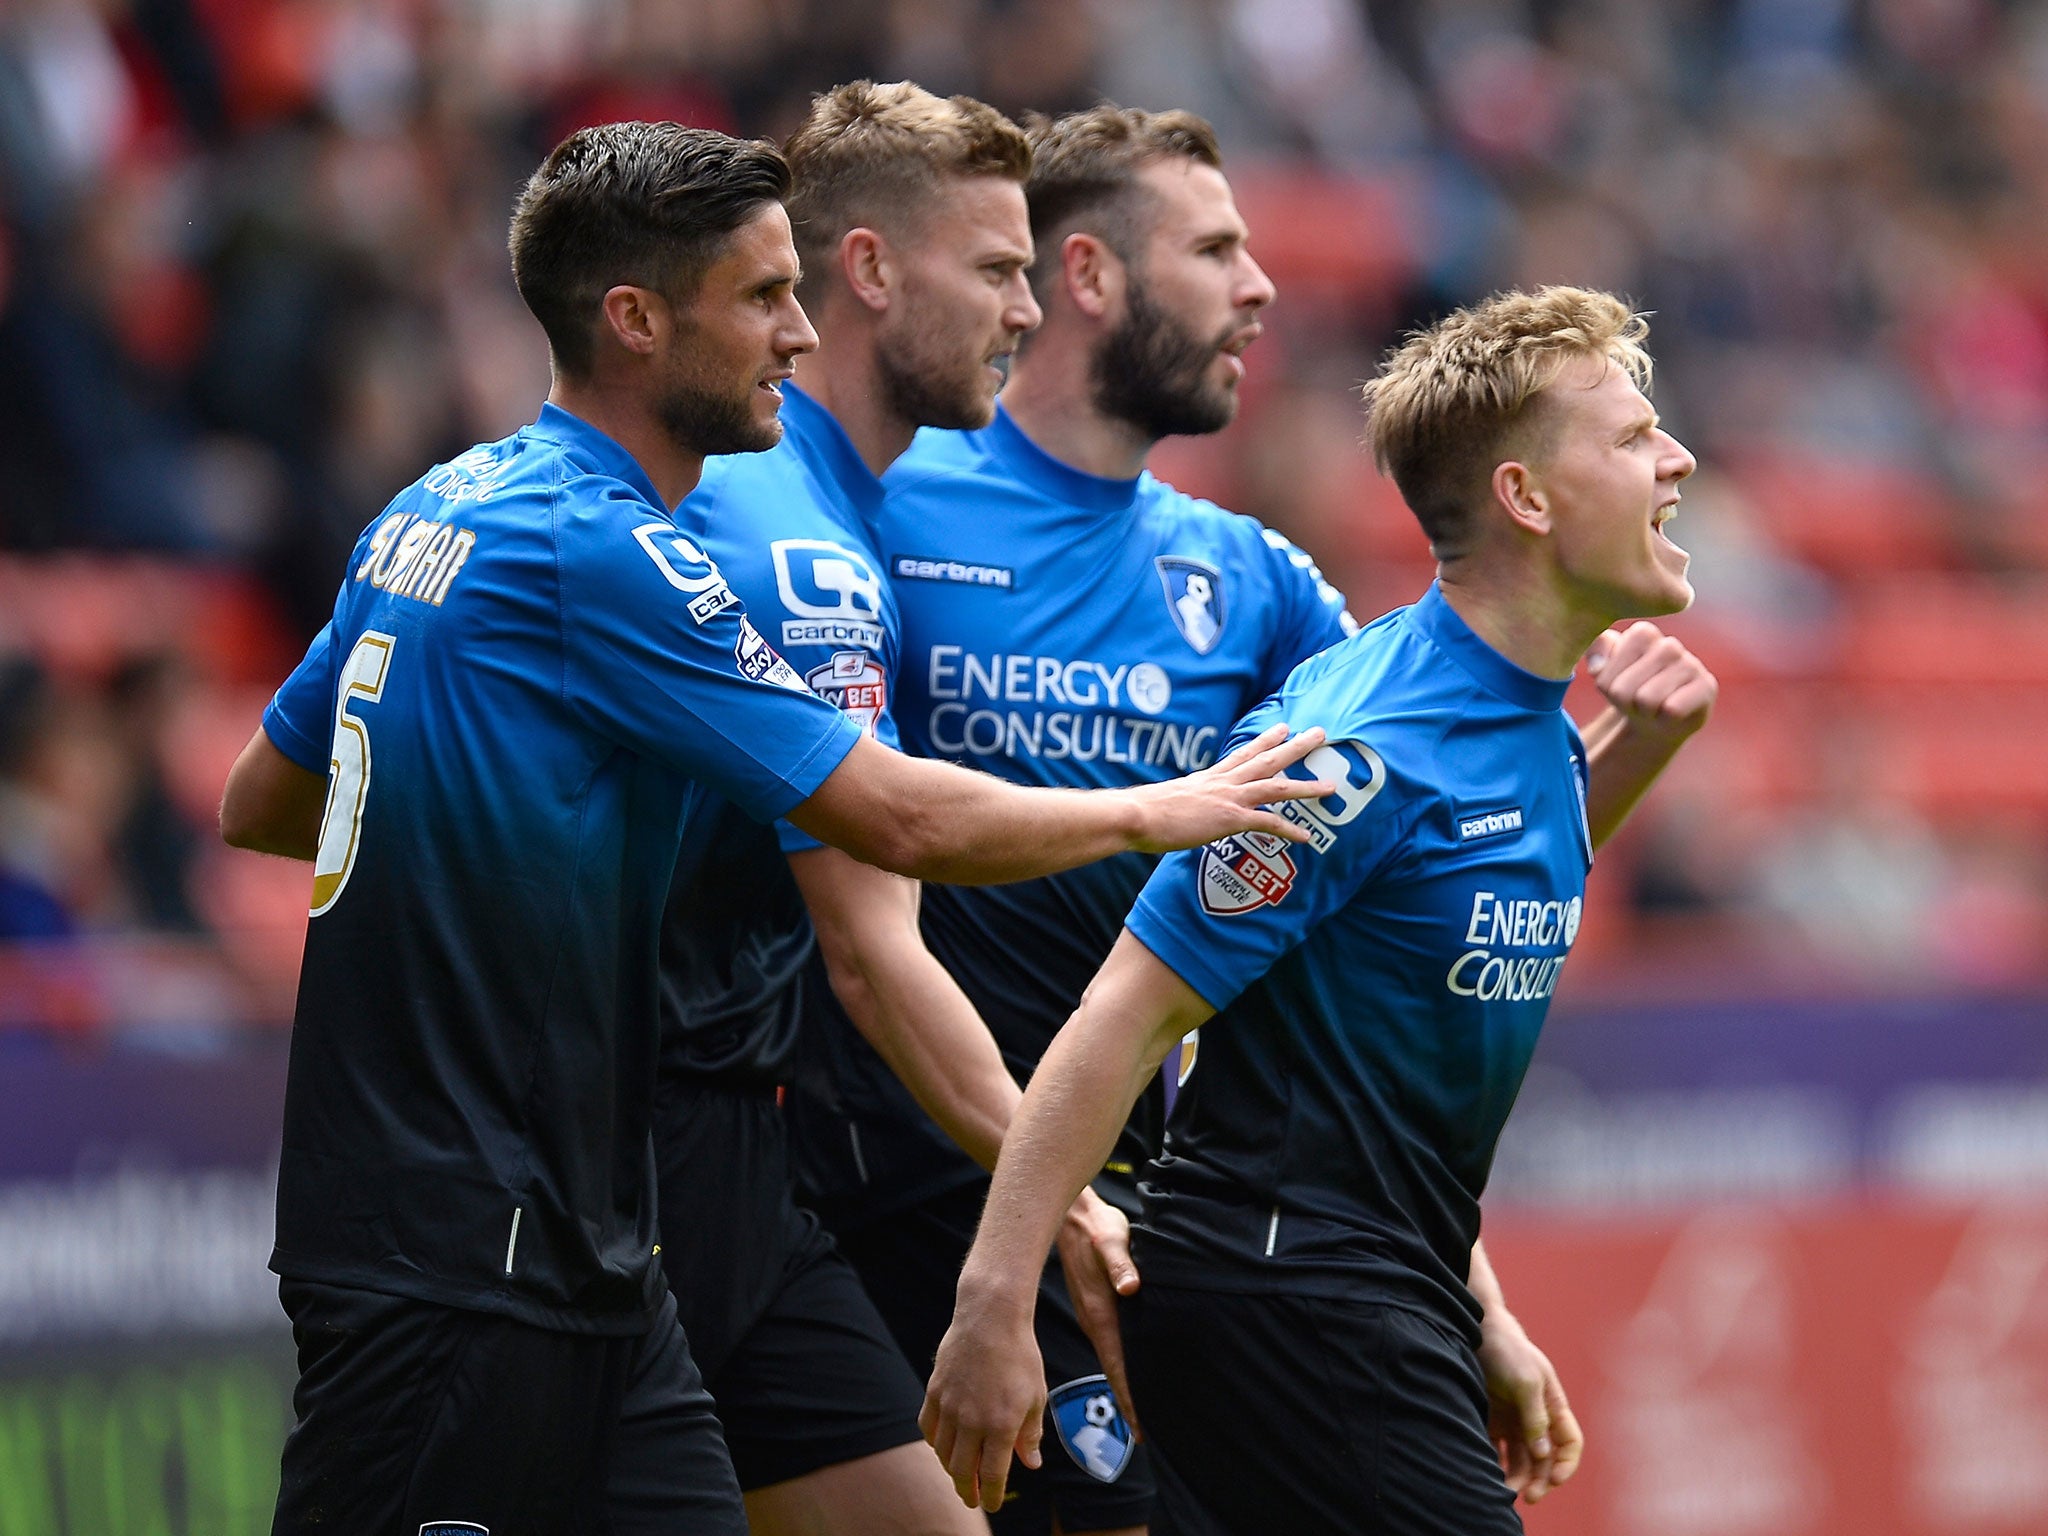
x: 1092, y: 1474
x: 803, y: 1370
x: 419, y: 1418
x: 1311, y: 1416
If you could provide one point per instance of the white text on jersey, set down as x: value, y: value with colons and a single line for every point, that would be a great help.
x: 1520, y: 923
x: 957, y: 728
x: 411, y: 556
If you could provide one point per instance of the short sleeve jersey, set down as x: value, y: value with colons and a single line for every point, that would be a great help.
x: 1379, y: 988
x: 791, y: 531
x: 529, y: 676
x: 1063, y: 629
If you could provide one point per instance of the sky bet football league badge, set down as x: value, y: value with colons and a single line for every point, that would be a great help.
x: 854, y: 683
x: 1094, y: 1433
x: 1245, y: 871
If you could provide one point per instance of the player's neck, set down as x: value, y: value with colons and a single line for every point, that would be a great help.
x: 1521, y: 613
x: 623, y: 416
x: 844, y: 379
x: 1058, y: 413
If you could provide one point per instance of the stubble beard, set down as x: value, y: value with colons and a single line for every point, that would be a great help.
x: 1152, y: 372
x: 704, y: 420
x: 919, y: 389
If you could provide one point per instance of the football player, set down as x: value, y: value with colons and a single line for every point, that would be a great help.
x: 1307, y: 1343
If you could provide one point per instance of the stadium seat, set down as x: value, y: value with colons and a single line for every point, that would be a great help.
x: 1849, y: 516
x: 1930, y: 629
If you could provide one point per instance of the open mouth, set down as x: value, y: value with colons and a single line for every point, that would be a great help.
x: 1234, y: 346
x: 1662, y: 515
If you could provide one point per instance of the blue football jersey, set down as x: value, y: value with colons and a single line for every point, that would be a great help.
x: 1379, y: 988
x: 529, y: 675
x: 790, y: 530
x: 1063, y: 629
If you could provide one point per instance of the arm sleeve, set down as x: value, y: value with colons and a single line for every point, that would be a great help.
x: 1311, y: 615
x: 836, y: 661
x: 659, y: 655
x: 300, y: 718
x: 1220, y: 916
x: 861, y: 684
x: 793, y: 838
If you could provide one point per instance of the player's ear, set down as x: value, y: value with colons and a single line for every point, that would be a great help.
x: 636, y: 318
x: 1519, y: 490
x: 1093, y: 274
x: 864, y: 261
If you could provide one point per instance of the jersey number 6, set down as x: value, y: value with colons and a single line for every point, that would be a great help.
x: 348, y: 769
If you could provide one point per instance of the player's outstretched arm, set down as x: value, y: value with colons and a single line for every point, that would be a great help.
x: 986, y: 1395
x: 904, y: 1003
x: 1532, y: 1424
x: 271, y: 804
x: 909, y: 1008
x: 1659, y: 694
x: 939, y: 822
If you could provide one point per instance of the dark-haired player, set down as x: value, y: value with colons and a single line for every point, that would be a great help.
x: 1305, y: 1350
x: 490, y: 755
x: 1070, y: 620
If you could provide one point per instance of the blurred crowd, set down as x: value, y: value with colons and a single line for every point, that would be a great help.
x: 253, y: 280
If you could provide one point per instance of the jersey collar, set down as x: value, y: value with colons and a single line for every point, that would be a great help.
x: 1051, y: 478
x: 568, y: 430
x: 1439, y: 621
x: 818, y: 439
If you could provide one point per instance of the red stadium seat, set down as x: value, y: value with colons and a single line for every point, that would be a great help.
x: 1328, y: 238
x: 1935, y: 630
x: 1963, y: 755
x: 1849, y: 516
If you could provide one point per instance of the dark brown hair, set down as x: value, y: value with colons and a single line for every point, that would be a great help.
x: 648, y: 204
x: 1084, y: 174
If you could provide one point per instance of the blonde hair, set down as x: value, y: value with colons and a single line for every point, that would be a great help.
x: 877, y: 155
x: 1451, y: 402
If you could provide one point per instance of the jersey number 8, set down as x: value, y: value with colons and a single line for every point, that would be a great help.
x: 1343, y: 763
x: 348, y: 775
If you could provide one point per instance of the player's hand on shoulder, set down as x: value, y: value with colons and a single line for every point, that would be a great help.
x: 1653, y: 680
x: 1230, y: 794
x: 1532, y: 1425
x: 985, y: 1399
x: 1095, y: 1255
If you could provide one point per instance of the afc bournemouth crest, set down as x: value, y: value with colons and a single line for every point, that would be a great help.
x: 1194, y: 596
x: 1090, y: 1427
x: 1250, y: 869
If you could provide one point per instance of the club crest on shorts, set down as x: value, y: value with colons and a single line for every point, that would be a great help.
x: 1084, y: 1412
x: 1194, y: 596
x: 1244, y: 872
x: 454, y: 1528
